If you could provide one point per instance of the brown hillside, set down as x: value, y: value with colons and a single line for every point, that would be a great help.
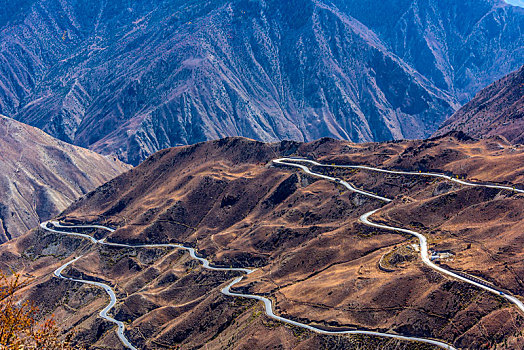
x: 314, y: 259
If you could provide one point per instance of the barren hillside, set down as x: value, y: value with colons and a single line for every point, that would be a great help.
x: 496, y: 110
x: 40, y: 176
x: 132, y: 78
x: 314, y: 259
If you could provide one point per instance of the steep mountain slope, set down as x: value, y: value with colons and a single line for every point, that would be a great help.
x: 41, y: 176
x: 496, y: 110
x: 315, y: 259
x: 461, y: 46
x: 134, y: 78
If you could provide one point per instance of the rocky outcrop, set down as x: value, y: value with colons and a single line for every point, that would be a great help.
x: 41, y: 176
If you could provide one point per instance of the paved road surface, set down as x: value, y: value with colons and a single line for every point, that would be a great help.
x: 103, y: 313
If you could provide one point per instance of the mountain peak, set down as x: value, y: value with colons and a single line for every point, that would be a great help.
x: 131, y: 79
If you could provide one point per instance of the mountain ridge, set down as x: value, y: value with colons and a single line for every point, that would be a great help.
x: 313, y: 257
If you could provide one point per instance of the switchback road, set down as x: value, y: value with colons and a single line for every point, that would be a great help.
x: 206, y: 264
x: 424, y: 254
x: 292, y: 162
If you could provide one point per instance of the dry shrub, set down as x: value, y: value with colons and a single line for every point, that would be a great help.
x: 19, y: 328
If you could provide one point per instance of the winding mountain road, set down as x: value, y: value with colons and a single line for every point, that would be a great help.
x: 422, y: 239
x: 206, y: 264
x: 103, y: 313
x: 285, y: 161
x: 267, y: 302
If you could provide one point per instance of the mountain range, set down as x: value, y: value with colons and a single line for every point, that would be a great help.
x: 131, y: 78
x: 396, y: 228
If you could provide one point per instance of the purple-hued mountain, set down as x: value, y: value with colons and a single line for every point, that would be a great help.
x: 496, y: 110
x: 133, y: 77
